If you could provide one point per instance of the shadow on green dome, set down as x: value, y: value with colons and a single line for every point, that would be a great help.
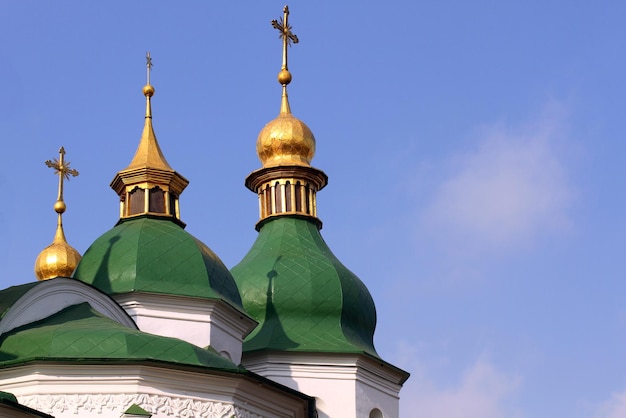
x: 304, y: 298
x: 155, y: 255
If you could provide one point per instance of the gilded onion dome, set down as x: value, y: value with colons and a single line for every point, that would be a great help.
x: 59, y: 259
x: 285, y: 140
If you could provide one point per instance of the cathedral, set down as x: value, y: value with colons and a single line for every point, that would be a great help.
x: 149, y: 322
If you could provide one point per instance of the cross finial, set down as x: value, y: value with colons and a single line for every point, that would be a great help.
x: 63, y: 170
x: 148, y: 65
x: 286, y: 34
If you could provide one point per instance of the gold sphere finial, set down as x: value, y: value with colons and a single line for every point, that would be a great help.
x: 284, y: 77
x: 60, y: 206
x: 148, y: 90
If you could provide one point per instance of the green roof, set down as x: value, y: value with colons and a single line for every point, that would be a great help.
x: 302, y: 296
x: 155, y: 255
x: 10, y: 295
x: 8, y: 396
x: 80, y: 333
x: 137, y: 410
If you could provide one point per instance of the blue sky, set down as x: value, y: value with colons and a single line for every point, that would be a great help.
x: 474, y: 149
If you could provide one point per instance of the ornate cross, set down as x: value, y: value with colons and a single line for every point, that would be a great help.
x: 62, y: 169
x: 285, y: 34
x: 148, y: 65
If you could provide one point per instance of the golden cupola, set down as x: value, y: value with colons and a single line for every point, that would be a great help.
x: 59, y: 259
x: 285, y: 140
x: 149, y: 185
x: 286, y: 184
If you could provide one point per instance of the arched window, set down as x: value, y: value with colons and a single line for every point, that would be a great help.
x: 268, y: 200
x: 288, y: 207
x: 375, y: 413
x: 172, y: 204
x: 157, y: 200
x: 307, y: 195
x: 298, y: 193
x: 278, y: 197
x: 137, y: 201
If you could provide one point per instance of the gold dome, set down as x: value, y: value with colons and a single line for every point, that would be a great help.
x: 59, y: 259
x: 285, y: 140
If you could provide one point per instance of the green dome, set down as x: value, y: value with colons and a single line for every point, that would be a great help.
x: 155, y: 255
x: 302, y: 296
x: 79, y: 332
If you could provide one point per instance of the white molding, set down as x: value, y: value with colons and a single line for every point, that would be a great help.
x: 52, y: 296
x: 325, y: 365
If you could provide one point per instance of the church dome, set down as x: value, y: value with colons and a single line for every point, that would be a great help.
x: 153, y: 254
x: 148, y: 250
x: 59, y: 259
x: 304, y: 298
x: 285, y: 140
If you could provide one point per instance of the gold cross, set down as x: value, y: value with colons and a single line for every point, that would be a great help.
x: 285, y: 34
x: 62, y: 169
x: 148, y: 65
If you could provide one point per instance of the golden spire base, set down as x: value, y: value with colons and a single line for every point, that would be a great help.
x: 149, y: 185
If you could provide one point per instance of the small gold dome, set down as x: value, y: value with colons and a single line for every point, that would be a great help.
x: 285, y: 140
x: 58, y: 259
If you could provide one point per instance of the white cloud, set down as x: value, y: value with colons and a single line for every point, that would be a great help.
x: 512, y: 186
x: 481, y: 391
x: 614, y: 407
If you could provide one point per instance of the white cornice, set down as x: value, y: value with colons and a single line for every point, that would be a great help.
x: 330, y: 366
x: 341, y: 362
x: 105, y: 390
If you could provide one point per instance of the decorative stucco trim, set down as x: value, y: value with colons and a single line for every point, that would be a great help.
x: 167, y: 406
